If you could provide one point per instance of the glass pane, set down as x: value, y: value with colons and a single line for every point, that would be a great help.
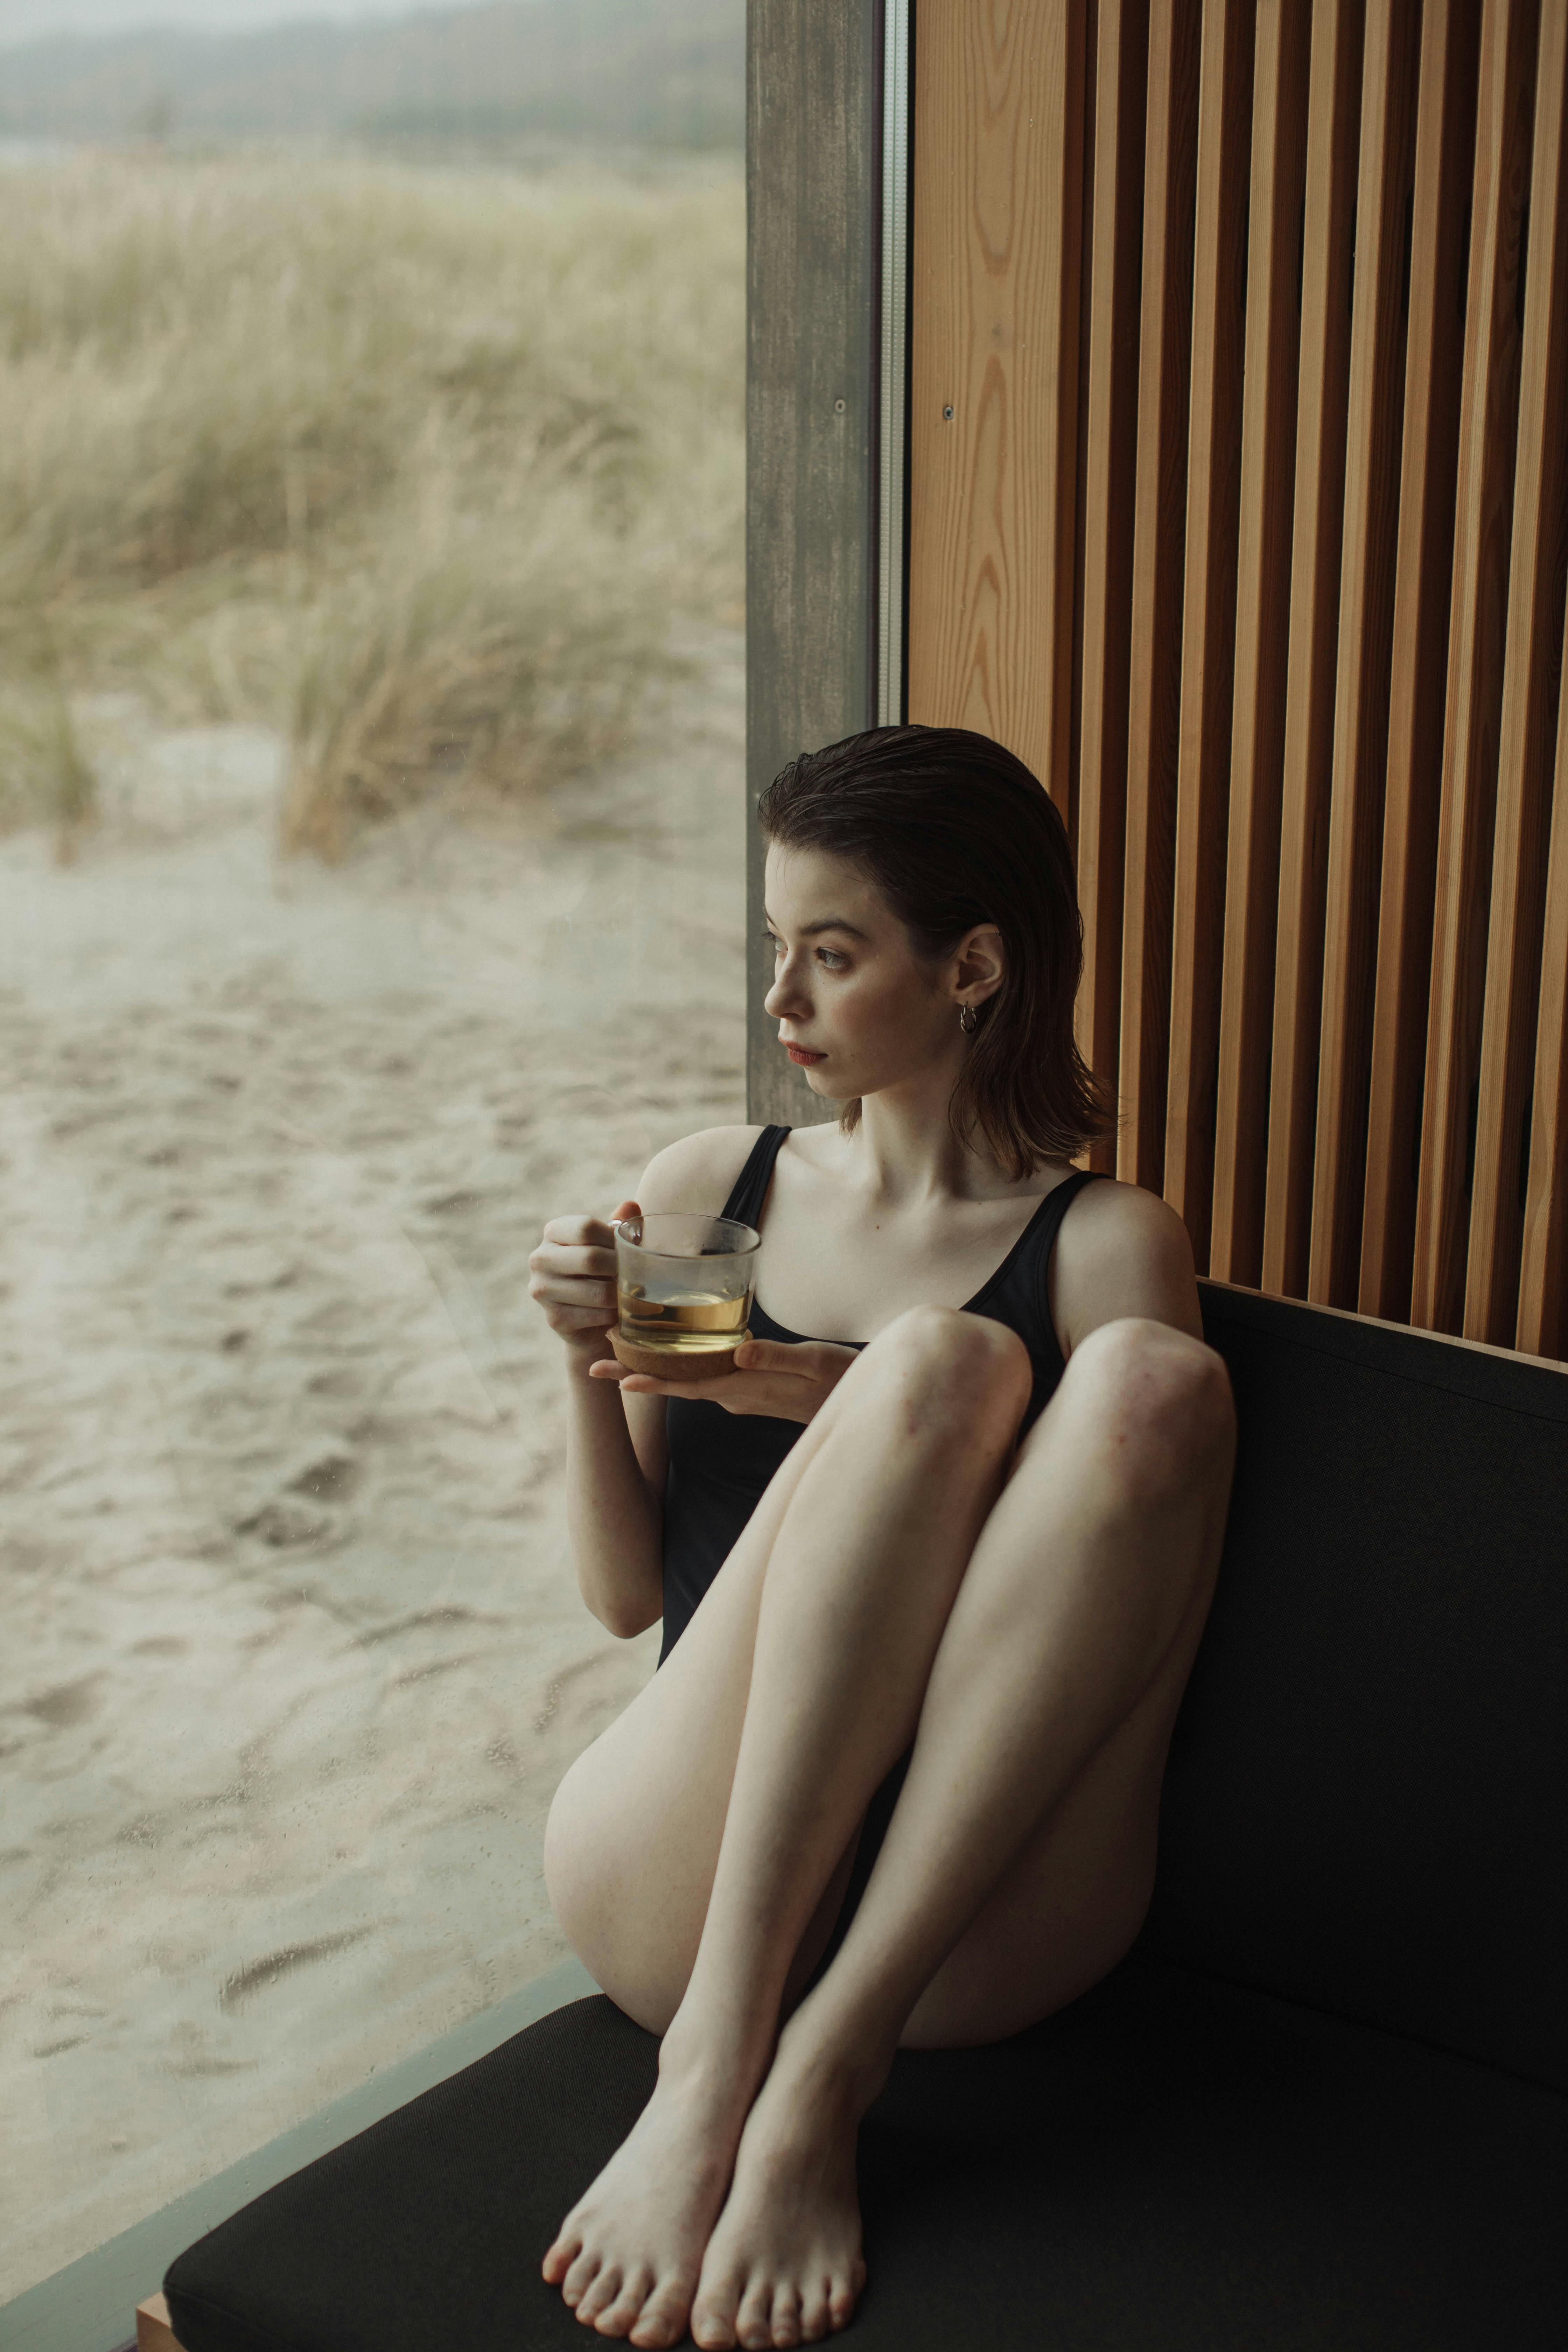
x: 371, y: 770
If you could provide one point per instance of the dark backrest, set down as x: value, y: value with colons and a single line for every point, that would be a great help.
x: 1366, y: 1805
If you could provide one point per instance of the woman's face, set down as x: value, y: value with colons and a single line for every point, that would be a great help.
x: 859, y: 1010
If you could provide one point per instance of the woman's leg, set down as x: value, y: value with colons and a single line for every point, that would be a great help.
x: 1033, y: 1788
x: 866, y: 1562
x: 871, y: 1538
x: 633, y: 1839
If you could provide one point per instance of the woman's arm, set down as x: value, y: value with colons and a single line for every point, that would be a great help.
x: 616, y: 1461
x: 617, y: 1454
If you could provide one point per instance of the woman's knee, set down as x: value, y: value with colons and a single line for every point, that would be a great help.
x: 1162, y: 1398
x: 953, y: 1372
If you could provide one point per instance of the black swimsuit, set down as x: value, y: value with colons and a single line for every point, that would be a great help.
x: 719, y: 1463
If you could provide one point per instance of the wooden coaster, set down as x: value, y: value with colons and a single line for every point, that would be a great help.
x: 663, y: 1364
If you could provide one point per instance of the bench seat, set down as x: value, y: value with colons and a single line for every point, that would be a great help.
x: 1170, y: 2165
x: 1322, y: 2106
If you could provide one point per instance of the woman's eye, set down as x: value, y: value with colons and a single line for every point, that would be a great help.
x: 831, y: 959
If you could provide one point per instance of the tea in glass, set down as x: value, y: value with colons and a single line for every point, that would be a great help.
x: 683, y: 1286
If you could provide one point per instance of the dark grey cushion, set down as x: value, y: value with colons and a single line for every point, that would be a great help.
x: 1366, y: 1806
x: 1319, y: 2108
x: 1170, y: 2165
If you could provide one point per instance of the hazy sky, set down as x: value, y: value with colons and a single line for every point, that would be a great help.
x: 30, y: 20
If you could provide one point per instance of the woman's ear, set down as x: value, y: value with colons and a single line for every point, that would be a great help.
x: 980, y: 966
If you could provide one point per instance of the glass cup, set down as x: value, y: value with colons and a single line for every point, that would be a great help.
x: 683, y: 1292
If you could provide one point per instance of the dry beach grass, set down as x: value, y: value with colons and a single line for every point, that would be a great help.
x: 294, y: 1655
x: 412, y: 464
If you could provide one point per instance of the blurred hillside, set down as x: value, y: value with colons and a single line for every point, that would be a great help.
x: 651, y: 72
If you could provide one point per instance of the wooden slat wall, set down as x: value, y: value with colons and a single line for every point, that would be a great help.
x: 1208, y: 629
x: 1531, y: 692
x: 1278, y: 193
x: 1316, y: 748
x: 1444, y: 146
x: 1328, y: 246
x: 1543, y: 1328
x: 1477, y: 637
x: 1111, y: 422
x: 1154, y: 687
x: 1365, y: 643
x: 997, y: 238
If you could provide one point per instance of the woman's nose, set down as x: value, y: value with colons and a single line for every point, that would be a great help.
x: 786, y: 994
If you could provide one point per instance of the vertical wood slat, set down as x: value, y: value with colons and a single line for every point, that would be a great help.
x: 1153, y: 718
x: 1327, y: 248
x: 1262, y: 636
x: 993, y: 374
x: 1445, y: 154
x: 1483, y: 522
x: 1530, y: 697
x: 1390, y: 667
x: 1543, y: 1328
x: 1208, y: 608
x: 1110, y: 433
x: 811, y: 385
x: 1369, y: 547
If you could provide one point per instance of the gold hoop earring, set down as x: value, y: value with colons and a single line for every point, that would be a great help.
x: 968, y: 1019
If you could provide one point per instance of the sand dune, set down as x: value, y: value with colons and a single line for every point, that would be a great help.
x: 294, y: 1657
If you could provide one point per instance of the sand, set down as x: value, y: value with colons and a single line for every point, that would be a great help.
x: 294, y: 1657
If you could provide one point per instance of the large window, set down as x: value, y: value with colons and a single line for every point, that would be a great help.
x: 370, y: 890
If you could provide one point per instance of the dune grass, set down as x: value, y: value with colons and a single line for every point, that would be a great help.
x: 417, y: 465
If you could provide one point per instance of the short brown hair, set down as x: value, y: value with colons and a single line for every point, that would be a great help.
x: 955, y: 830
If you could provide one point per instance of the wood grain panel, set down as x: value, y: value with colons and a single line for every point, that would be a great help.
x: 1262, y: 634
x: 993, y: 385
x: 1543, y: 1328
x: 153, y: 2330
x: 1328, y: 241
x: 1110, y: 446
x: 1532, y: 667
x: 1153, y: 716
x: 1445, y: 155
x: 1478, y: 619
x: 1208, y: 622
x: 1389, y: 85
x: 812, y: 202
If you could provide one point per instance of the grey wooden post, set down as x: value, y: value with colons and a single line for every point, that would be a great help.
x: 815, y: 195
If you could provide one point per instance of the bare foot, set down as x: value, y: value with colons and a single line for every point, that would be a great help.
x: 784, y: 2266
x: 627, y: 2257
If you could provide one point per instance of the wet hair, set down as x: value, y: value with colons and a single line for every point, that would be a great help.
x: 954, y: 831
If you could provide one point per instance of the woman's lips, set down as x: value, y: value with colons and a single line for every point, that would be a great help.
x: 804, y: 1053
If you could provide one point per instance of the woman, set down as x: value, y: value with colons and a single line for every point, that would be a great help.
x: 932, y: 1581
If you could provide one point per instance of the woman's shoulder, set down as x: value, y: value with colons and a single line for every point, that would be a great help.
x: 699, y: 1172
x: 1122, y: 1251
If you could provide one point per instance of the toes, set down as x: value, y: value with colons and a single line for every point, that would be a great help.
x: 619, y: 2318
x: 561, y: 2255
x: 841, y: 2298
x: 664, y: 2314
x: 712, y: 2319
x: 754, y: 2320
x: 786, y: 2315
x: 815, y: 2320
x: 599, y: 2297
x: 580, y: 2277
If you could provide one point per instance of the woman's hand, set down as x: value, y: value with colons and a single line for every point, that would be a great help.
x: 572, y: 1275
x: 789, y: 1380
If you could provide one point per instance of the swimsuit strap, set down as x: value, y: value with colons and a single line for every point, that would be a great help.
x: 1031, y: 1259
x: 1042, y: 1239
x: 750, y: 1189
